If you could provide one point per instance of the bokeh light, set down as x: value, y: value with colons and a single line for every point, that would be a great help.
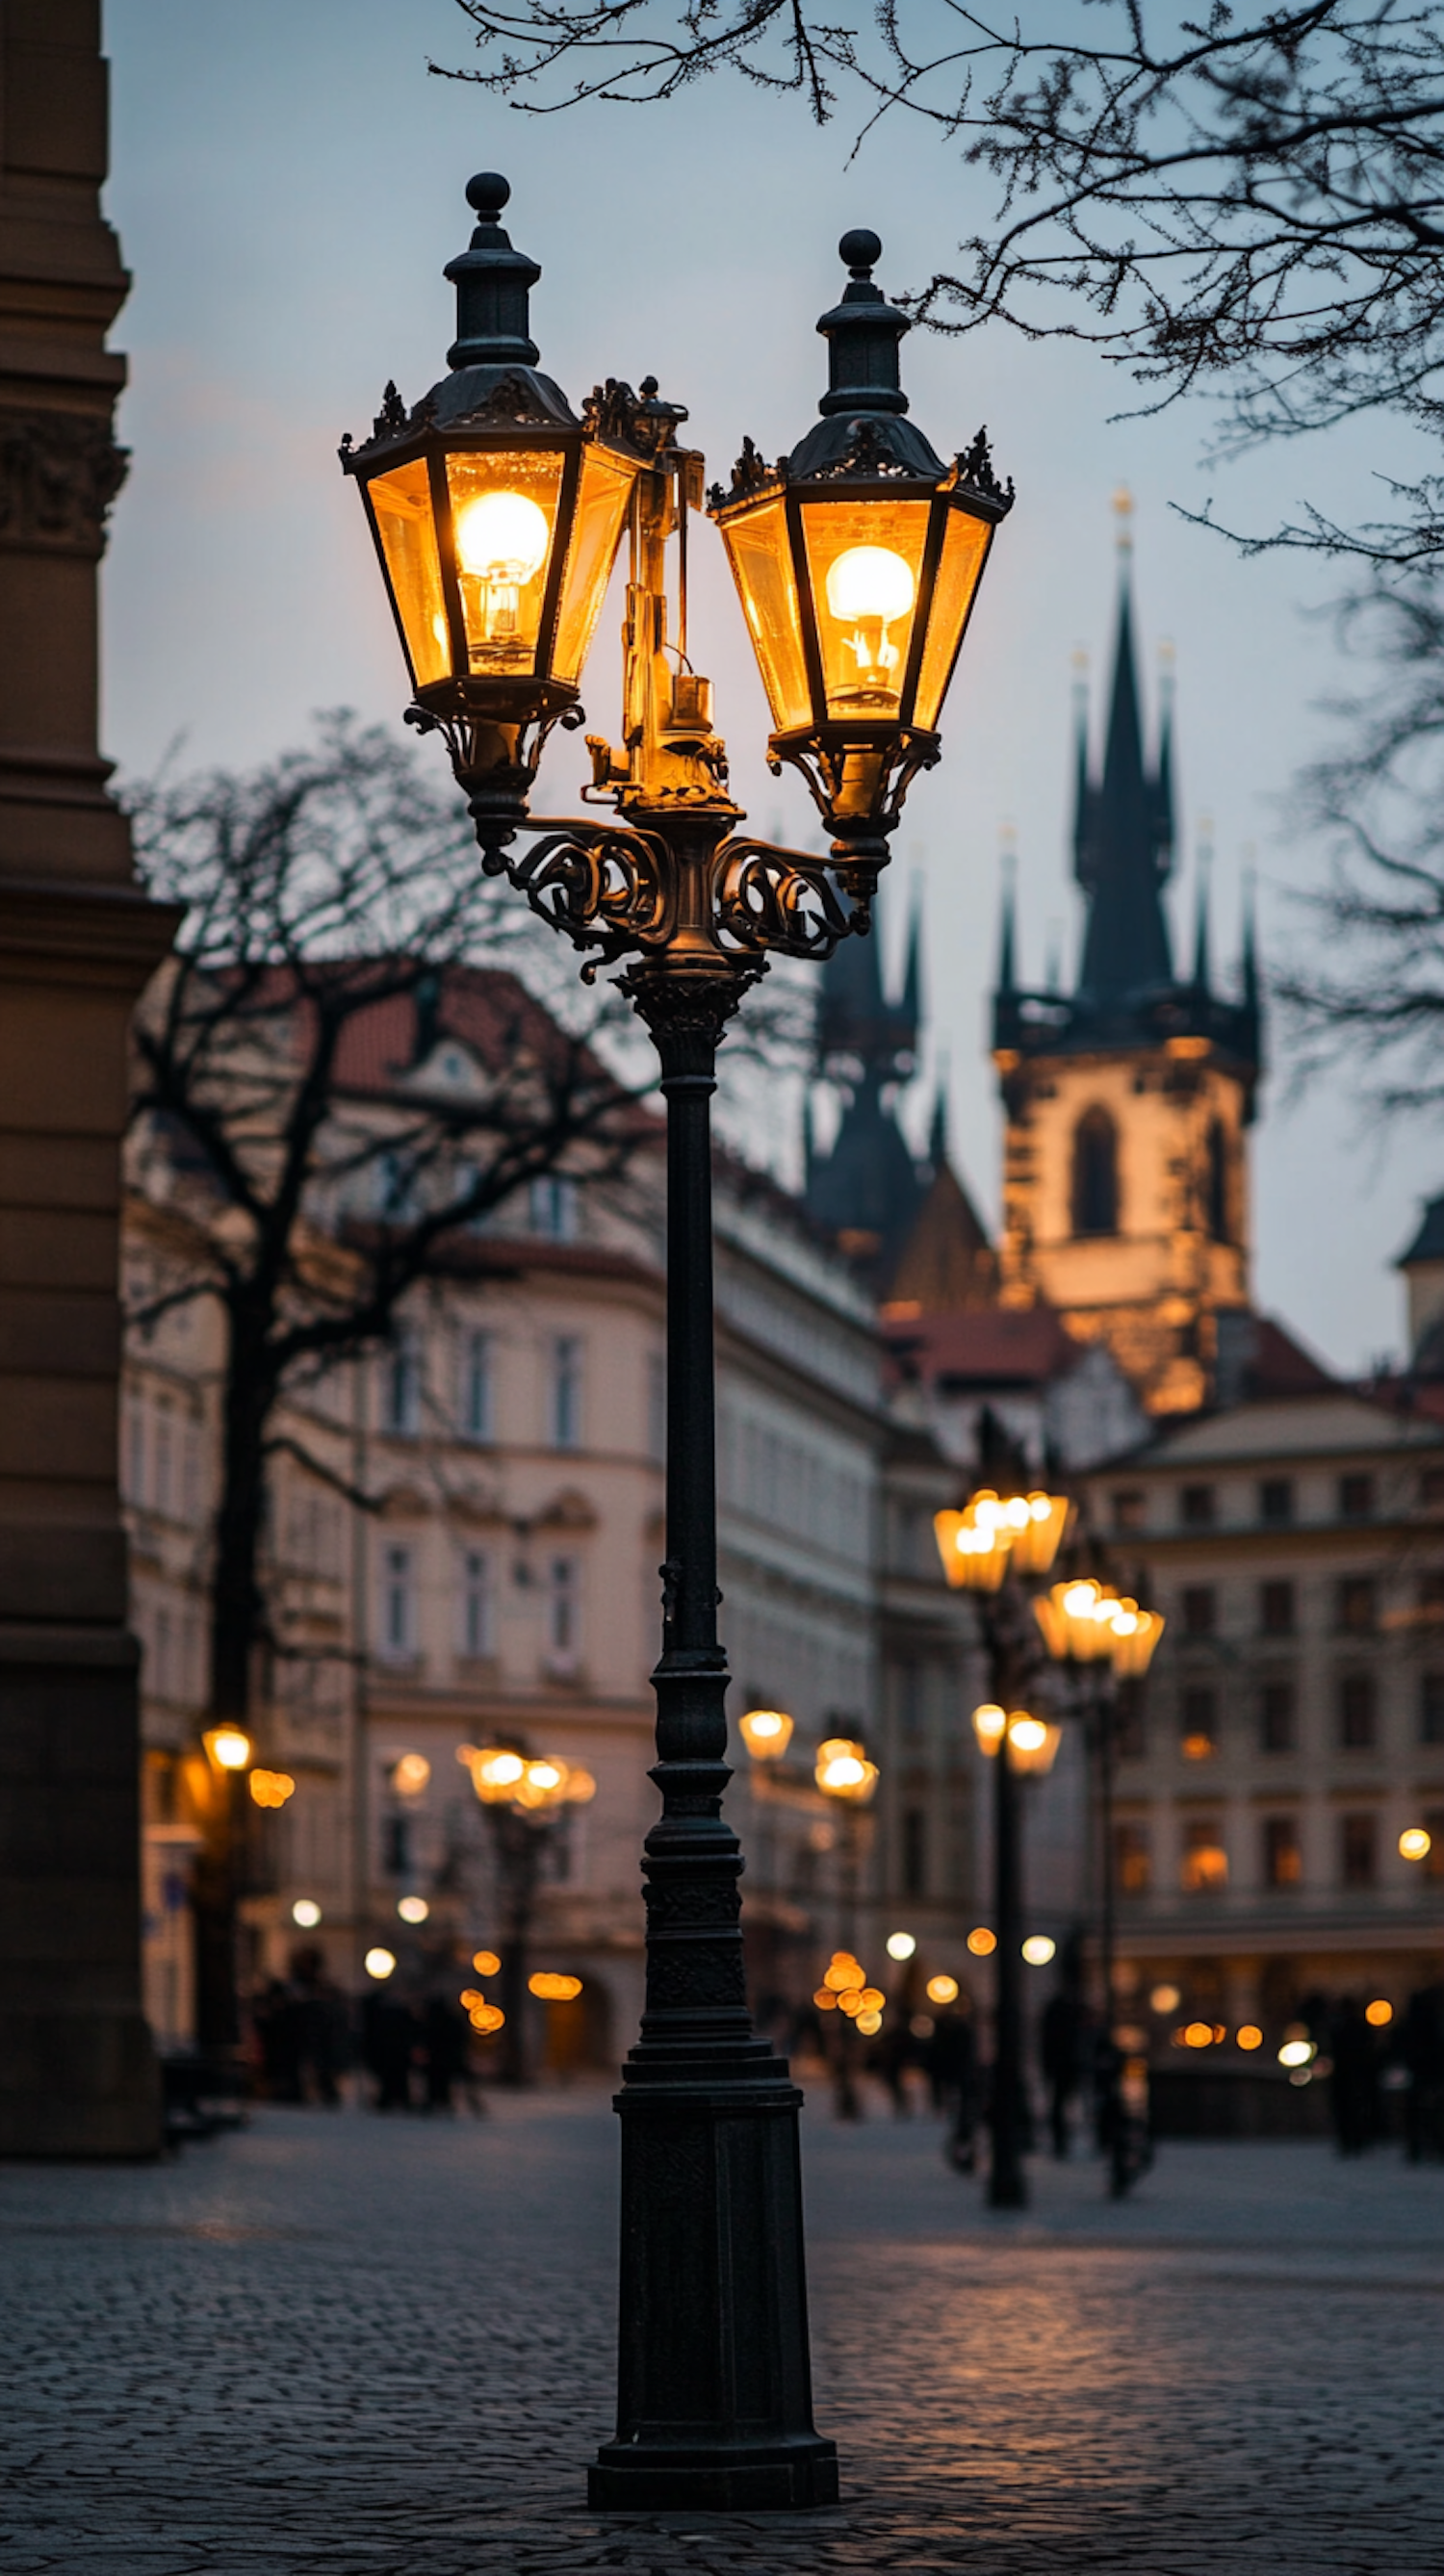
x: 1038, y: 1949
x: 942, y: 1990
x: 1380, y: 2012
x: 380, y: 1962
x: 900, y: 1945
x: 982, y: 1942
x: 306, y: 1912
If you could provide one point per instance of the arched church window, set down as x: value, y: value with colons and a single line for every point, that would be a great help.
x: 1095, y: 1174
x: 1216, y: 1182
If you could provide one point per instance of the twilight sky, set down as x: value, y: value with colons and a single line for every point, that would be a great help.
x: 287, y: 182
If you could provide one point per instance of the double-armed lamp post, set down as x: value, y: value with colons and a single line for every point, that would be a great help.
x: 985, y: 1548
x: 498, y: 514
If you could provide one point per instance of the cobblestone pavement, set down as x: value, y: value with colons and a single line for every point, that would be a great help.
x: 371, y: 2348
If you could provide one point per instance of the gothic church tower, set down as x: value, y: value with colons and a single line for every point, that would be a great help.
x: 1128, y: 1102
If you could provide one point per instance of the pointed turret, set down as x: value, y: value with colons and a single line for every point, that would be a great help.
x: 938, y: 1126
x: 1008, y: 930
x: 1201, y: 969
x: 857, y: 1027
x: 1123, y: 843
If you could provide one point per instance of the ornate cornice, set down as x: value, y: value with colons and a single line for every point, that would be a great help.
x: 59, y: 473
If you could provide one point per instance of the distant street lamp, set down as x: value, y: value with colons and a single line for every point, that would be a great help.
x: 525, y: 1799
x: 1085, y: 1622
x: 995, y: 1537
x: 497, y: 515
x: 845, y: 1776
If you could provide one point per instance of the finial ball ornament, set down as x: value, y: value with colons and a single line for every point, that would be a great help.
x: 860, y: 249
x: 488, y: 192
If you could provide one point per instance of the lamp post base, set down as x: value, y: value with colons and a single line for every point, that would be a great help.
x: 715, y: 2409
x: 762, y: 2477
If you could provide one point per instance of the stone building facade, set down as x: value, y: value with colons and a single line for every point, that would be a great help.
x: 78, y: 940
x: 1292, y: 1725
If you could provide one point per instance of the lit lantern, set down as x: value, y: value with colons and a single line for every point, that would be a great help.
x: 766, y: 1732
x: 228, y: 1746
x: 857, y: 559
x: 497, y: 515
x: 842, y: 1770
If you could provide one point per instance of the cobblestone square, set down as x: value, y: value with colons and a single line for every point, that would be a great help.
x: 384, y: 2348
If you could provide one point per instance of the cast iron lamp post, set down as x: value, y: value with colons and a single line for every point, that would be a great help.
x: 525, y: 1799
x: 497, y: 515
x: 1084, y: 1622
x: 992, y: 1538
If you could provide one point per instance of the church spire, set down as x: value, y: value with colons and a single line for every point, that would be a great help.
x: 1007, y: 922
x: 1123, y: 835
x: 1201, y: 970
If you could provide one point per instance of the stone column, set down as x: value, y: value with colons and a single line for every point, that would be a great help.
x: 78, y: 940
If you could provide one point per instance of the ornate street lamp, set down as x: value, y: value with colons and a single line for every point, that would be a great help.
x: 497, y: 513
x: 1086, y: 1622
x: 526, y: 1798
x: 993, y: 1538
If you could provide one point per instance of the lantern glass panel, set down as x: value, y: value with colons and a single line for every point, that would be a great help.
x: 605, y: 490
x: 761, y: 561
x: 402, y: 503
x: 503, y: 517
x: 960, y: 569
x: 864, y: 561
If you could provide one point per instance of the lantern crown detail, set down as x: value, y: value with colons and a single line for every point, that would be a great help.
x: 857, y: 559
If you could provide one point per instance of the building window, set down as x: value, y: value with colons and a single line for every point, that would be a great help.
x: 396, y: 1846
x: 1200, y: 1610
x: 1132, y: 1860
x: 401, y: 1385
x: 1217, y: 1181
x: 1431, y: 1708
x: 1129, y: 1510
x: 1129, y: 1734
x: 564, y: 1624
x: 566, y: 1393
x: 1358, y: 1850
x: 1431, y: 1600
x: 1356, y: 1712
x: 914, y: 1852
x: 1198, y: 1734
x: 1356, y: 1498
x: 478, y: 1387
x: 476, y: 1604
x: 1196, y: 1507
x: 1095, y: 1174
x: 1276, y: 1609
x: 163, y: 1459
x: 135, y: 1457
x: 1282, y: 1854
x: 1355, y: 1605
x: 1278, y: 1717
x: 910, y: 1699
x: 398, y: 1601
x: 1205, y: 1860
x: 1276, y: 1501
x: 554, y: 1208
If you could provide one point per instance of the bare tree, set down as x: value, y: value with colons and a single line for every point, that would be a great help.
x: 1250, y: 203
x: 1374, y: 987
x: 338, y: 927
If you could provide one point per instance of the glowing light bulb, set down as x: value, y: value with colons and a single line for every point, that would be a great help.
x: 380, y: 1963
x: 306, y: 1912
x: 413, y: 1909
x: 230, y: 1749
x: 1038, y: 1949
x: 868, y: 589
x: 900, y: 1945
x: 1414, y: 1843
x: 1027, y: 1734
x: 501, y: 541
